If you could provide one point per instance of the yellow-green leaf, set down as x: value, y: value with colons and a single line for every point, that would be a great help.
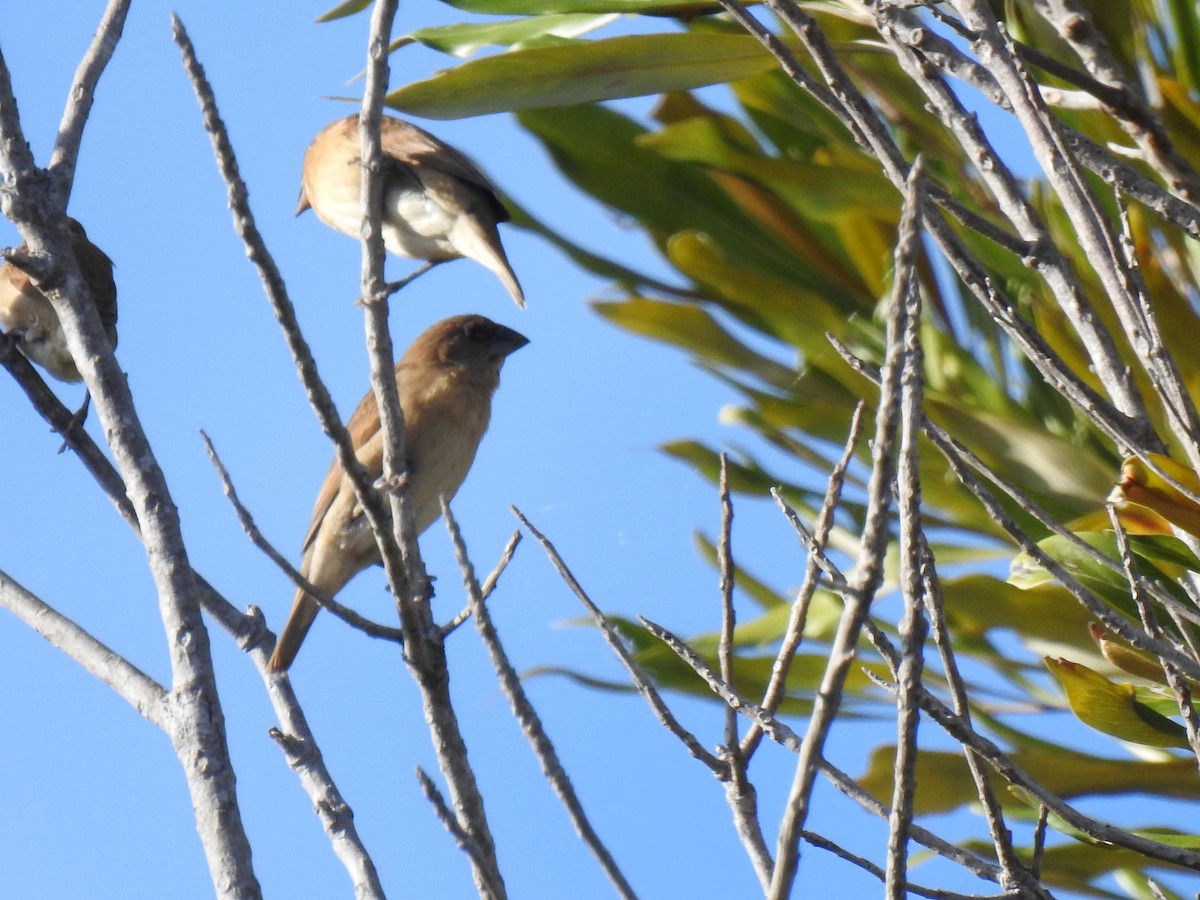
x: 468, y: 38
x: 1140, y: 485
x: 627, y: 66
x: 1114, y: 708
x: 1126, y: 658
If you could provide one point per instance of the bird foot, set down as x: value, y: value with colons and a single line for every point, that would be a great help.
x: 8, y: 343
x: 76, y: 422
x: 393, y: 286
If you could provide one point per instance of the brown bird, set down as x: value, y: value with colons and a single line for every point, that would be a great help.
x: 26, y: 312
x: 437, y: 204
x: 446, y: 380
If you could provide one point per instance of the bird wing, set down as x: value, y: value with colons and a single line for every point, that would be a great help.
x: 405, y: 145
x: 364, y: 430
x: 97, y: 270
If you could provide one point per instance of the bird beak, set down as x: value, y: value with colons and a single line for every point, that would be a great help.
x: 506, y: 341
x: 302, y: 204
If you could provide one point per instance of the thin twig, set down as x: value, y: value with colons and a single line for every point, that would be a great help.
x: 798, y: 616
x: 740, y: 792
x: 527, y: 717
x: 866, y: 581
x: 446, y: 816
x: 908, y: 501
x: 285, y: 313
x: 786, y: 737
x: 866, y: 865
x: 1039, y: 842
x: 489, y: 583
x: 728, y: 615
x: 1178, y: 685
x: 611, y: 637
x: 303, y: 757
x: 130, y: 683
x: 65, y: 156
x: 1100, y: 832
x: 935, y: 604
x: 963, y: 461
x: 347, y: 615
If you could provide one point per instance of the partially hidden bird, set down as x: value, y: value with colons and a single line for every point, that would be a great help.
x: 26, y: 313
x: 446, y: 380
x: 437, y: 204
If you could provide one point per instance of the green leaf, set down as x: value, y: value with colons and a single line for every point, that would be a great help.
x: 544, y: 7
x: 944, y: 782
x: 750, y: 673
x: 627, y: 66
x: 832, y: 191
x: 585, y: 259
x: 598, y: 150
x: 468, y: 38
x: 1157, y: 558
x: 346, y: 8
x: 1077, y: 867
x: 692, y: 327
x: 1114, y: 708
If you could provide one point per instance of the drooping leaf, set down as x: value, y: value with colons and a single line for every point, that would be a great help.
x: 1114, y: 708
x: 1144, y: 487
x: 944, y: 780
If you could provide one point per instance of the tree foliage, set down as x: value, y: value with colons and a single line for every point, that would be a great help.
x: 944, y: 254
x: 1058, y: 326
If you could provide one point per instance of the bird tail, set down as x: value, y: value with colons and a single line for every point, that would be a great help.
x: 304, y: 610
x: 480, y: 241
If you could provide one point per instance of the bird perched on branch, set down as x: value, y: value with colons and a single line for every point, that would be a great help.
x: 437, y: 204
x: 446, y: 380
x: 26, y: 313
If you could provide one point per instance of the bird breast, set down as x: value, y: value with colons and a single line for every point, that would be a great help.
x: 443, y: 429
x: 26, y: 312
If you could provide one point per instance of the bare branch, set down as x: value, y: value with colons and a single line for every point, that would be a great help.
x: 527, y: 717
x: 130, y: 683
x: 1121, y: 96
x: 908, y: 500
x: 196, y: 723
x: 867, y: 866
x: 489, y: 583
x: 446, y: 816
x: 347, y: 615
x: 798, y: 616
x: 1183, y: 694
x: 83, y: 92
x: 640, y: 680
x: 304, y: 758
x: 865, y: 582
x: 1043, y: 255
x: 728, y: 616
x: 285, y: 312
x: 1101, y: 832
x: 740, y: 792
x: 786, y: 737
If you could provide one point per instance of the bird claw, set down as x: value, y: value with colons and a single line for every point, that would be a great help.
x: 75, y: 423
x: 9, y: 340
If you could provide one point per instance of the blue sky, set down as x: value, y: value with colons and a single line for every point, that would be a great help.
x: 97, y: 805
